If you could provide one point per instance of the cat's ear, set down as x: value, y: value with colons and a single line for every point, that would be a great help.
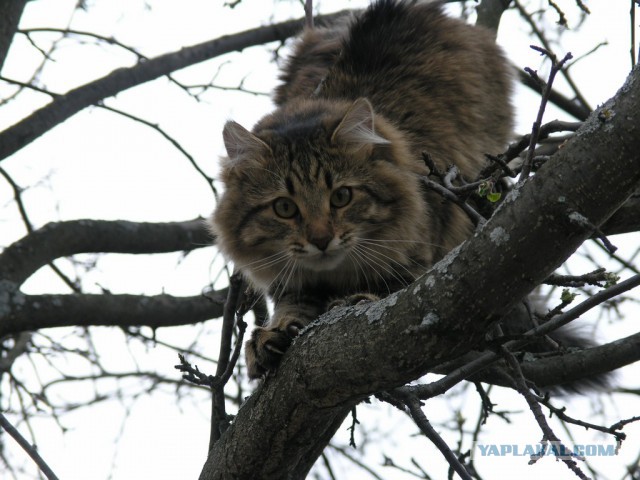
x: 241, y: 144
x: 357, y: 126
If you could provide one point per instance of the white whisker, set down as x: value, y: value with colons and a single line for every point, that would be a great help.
x: 396, y: 250
x: 268, y: 261
x: 396, y: 274
x: 376, y: 266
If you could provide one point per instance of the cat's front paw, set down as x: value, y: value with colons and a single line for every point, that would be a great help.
x: 266, y: 347
x: 358, y: 298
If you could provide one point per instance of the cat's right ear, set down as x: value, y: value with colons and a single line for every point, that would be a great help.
x: 357, y: 126
x: 242, y: 145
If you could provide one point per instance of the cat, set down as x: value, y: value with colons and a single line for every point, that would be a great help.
x: 324, y: 198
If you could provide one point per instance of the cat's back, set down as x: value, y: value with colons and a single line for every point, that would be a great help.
x: 444, y: 83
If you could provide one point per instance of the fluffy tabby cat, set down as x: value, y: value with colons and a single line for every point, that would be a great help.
x: 324, y: 198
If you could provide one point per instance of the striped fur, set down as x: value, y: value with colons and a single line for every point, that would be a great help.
x: 323, y: 197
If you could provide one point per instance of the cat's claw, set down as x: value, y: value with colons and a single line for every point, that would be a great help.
x: 293, y: 329
x: 274, y: 349
x: 266, y: 347
x: 356, y: 299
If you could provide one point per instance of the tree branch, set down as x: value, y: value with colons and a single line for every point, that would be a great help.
x: 29, y: 449
x: 490, y: 12
x: 351, y: 353
x: 626, y: 219
x: 23, y: 258
x: 64, y: 106
x: 571, y: 107
x: 20, y: 312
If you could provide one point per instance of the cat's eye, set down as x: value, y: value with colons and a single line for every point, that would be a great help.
x: 340, y: 197
x: 285, y: 207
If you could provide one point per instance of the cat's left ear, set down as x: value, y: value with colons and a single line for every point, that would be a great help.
x: 357, y: 126
x: 241, y: 145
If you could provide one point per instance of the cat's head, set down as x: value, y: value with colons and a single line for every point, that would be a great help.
x: 319, y: 189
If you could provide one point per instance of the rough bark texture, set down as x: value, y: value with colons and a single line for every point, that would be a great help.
x: 351, y: 353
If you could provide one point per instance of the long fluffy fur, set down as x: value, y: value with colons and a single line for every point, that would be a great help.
x: 323, y: 197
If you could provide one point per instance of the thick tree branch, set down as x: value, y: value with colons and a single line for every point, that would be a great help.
x: 351, y: 353
x: 64, y: 106
x: 20, y: 312
x: 571, y: 107
x: 626, y: 219
x: 490, y: 12
x: 10, y: 13
x: 21, y: 259
x: 596, y: 360
x: 562, y: 369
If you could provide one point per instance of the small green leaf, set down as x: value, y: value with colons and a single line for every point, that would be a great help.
x: 494, y: 197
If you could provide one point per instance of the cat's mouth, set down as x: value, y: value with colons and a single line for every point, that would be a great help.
x: 323, y: 261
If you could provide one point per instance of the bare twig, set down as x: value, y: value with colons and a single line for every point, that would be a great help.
x: 564, y: 103
x: 355, y: 461
x: 547, y: 46
x: 516, y: 148
x: 612, y: 430
x: 562, y: 19
x: 632, y: 15
x: 583, y: 7
x: 547, y: 433
x: 475, y: 217
x: 17, y: 196
x: 192, y: 373
x: 28, y: 129
x: 219, y: 417
x: 31, y: 451
x: 535, y: 131
x: 308, y: 13
x: 171, y: 140
x: 484, y: 360
x: 405, y: 401
x: 597, y: 277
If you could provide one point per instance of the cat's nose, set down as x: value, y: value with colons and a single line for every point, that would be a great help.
x: 319, y: 234
x: 321, y: 241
